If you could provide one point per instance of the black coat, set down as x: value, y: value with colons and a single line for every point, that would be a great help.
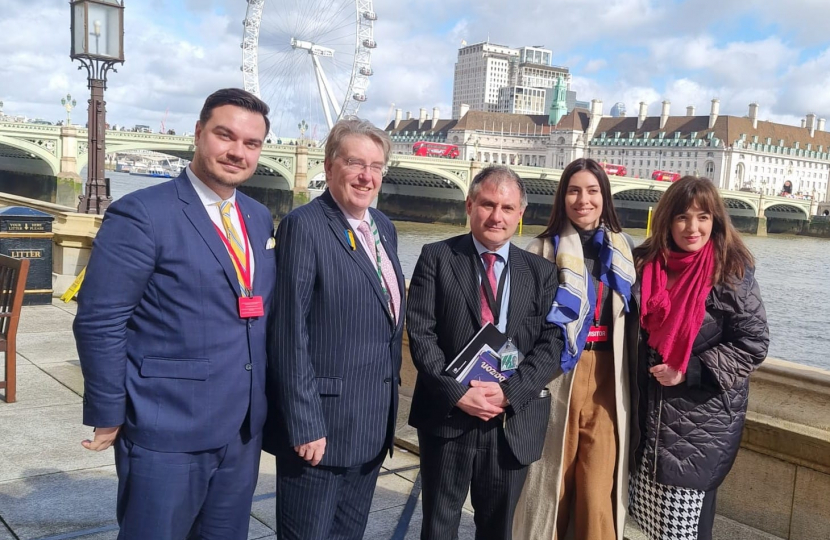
x: 444, y: 314
x: 689, y: 434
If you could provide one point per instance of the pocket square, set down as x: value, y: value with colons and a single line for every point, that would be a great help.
x: 270, y: 244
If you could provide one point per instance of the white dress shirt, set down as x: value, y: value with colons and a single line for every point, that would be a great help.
x: 210, y: 199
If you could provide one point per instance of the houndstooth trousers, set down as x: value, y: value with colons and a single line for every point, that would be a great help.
x: 663, y: 512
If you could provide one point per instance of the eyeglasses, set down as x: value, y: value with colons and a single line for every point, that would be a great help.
x: 357, y: 166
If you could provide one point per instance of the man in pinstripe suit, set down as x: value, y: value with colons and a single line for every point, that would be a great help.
x: 480, y: 438
x: 333, y: 381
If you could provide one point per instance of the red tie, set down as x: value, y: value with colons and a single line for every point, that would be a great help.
x: 486, y: 312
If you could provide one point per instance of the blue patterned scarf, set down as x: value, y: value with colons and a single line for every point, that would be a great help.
x: 575, y: 297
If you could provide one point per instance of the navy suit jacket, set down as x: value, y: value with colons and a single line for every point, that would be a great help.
x: 443, y: 316
x: 162, y: 348
x: 335, y: 367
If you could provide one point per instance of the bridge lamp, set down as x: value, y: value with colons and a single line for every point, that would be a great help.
x: 68, y: 104
x: 97, y: 32
x: 303, y: 127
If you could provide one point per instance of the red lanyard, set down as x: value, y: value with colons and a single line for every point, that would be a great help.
x: 599, y: 304
x: 244, y: 271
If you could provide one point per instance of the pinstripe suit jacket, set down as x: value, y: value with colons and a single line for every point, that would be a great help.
x: 336, y: 360
x: 444, y: 314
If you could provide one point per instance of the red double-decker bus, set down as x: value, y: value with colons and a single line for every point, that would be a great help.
x: 614, y: 170
x: 434, y: 149
x: 665, y: 176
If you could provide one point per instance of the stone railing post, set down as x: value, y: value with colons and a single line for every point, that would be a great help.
x: 475, y: 168
x: 301, y: 196
x: 70, y: 185
x: 762, y: 219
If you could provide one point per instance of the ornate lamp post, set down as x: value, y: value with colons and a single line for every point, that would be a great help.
x: 98, y: 43
x: 68, y: 104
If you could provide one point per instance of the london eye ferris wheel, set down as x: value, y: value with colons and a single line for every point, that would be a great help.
x: 309, y: 60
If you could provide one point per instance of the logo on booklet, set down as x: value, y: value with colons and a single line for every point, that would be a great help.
x: 492, y: 371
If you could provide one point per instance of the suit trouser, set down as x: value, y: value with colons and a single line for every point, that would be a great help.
x: 323, y: 503
x: 590, y: 451
x: 186, y: 495
x: 479, y: 461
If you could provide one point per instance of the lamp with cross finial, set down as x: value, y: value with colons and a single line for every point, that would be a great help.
x: 97, y: 31
x: 68, y: 104
x: 303, y: 127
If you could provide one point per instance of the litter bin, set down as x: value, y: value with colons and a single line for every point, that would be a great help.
x: 26, y: 233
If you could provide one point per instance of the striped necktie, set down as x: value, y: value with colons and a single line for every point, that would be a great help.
x: 237, y: 245
x: 487, y: 315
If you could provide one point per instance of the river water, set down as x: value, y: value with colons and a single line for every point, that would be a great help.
x: 789, y: 270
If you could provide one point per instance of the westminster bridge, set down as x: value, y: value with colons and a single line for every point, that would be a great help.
x: 52, y: 158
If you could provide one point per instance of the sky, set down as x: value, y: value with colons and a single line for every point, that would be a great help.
x: 179, y: 51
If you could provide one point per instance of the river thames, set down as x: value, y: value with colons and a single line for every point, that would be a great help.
x: 789, y: 270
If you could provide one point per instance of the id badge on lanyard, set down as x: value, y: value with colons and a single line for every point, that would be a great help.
x: 597, y: 333
x: 249, y: 306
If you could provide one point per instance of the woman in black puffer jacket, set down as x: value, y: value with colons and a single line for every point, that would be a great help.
x: 703, y: 332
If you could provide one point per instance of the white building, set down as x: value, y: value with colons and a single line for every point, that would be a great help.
x: 521, y: 100
x: 480, y: 71
x: 511, y: 139
x: 483, y: 70
x: 737, y: 153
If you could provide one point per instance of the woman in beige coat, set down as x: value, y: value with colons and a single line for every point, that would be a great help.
x: 579, y: 488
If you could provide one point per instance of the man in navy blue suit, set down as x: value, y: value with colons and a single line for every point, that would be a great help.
x: 171, y: 334
x: 338, y: 316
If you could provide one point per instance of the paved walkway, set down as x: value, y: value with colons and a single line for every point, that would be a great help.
x: 51, y: 488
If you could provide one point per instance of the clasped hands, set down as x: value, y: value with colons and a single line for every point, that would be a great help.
x: 483, y: 400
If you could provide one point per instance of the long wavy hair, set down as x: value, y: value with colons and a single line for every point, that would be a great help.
x: 608, y: 216
x: 732, y: 257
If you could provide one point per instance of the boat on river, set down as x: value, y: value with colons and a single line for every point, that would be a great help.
x: 154, y: 171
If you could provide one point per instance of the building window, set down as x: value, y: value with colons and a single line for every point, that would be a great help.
x: 710, y: 169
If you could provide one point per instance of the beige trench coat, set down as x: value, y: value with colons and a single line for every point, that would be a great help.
x: 535, y: 517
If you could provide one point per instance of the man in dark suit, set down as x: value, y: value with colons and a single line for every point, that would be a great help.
x: 172, y: 331
x: 338, y: 323
x: 480, y: 437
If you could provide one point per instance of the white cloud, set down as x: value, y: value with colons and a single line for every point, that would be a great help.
x: 595, y: 65
x: 618, y: 50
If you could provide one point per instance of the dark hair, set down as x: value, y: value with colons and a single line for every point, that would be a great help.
x: 497, y: 174
x: 732, y: 257
x: 238, y: 98
x: 558, y: 215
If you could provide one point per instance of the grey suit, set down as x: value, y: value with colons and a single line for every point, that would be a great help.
x: 459, y: 451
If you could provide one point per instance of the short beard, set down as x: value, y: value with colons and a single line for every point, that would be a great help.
x: 209, y: 178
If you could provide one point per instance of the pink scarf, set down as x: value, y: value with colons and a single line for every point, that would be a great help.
x: 673, y: 317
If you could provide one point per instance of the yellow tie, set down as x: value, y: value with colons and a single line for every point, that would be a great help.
x: 233, y: 238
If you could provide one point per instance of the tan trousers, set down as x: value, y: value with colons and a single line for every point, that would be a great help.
x: 590, y: 451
